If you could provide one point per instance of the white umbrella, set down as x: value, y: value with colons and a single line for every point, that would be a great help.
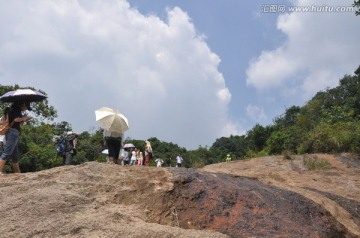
x: 111, y: 119
x: 129, y: 145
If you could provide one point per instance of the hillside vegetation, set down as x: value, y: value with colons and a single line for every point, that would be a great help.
x: 328, y: 123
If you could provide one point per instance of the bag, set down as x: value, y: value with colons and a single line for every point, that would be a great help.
x: 4, y: 124
x: 69, y: 143
x: 60, y: 149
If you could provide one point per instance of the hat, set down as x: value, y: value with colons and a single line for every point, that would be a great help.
x: 69, y: 133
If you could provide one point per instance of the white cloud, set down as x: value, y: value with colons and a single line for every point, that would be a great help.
x: 86, y: 55
x: 271, y: 69
x: 256, y: 113
x: 320, y: 48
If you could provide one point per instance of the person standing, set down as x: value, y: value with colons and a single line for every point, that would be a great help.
x: 70, y: 147
x: 114, y: 142
x: 228, y: 158
x: 168, y: 160
x: 139, y: 157
x: 13, y: 135
x: 133, y: 156
x: 159, y: 162
x: 179, y: 160
x: 128, y: 156
x: 148, y: 153
x: 125, y: 157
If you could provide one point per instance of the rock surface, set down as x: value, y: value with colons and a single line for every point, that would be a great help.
x: 262, y: 197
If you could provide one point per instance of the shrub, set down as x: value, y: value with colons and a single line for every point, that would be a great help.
x: 339, y: 137
x: 252, y: 154
x: 315, y: 163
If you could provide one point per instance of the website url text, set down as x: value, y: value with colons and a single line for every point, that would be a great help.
x: 278, y: 8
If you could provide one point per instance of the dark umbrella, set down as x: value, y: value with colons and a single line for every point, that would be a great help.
x: 28, y: 95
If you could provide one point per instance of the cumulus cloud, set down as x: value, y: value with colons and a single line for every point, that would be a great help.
x: 88, y: 54
x: 256, y: 113
x: 320, y: 48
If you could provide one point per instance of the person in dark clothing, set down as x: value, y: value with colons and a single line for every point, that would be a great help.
x: 114, y: 142
x: 12, y: 136
x: 70, y: 147
x: 168, y: 161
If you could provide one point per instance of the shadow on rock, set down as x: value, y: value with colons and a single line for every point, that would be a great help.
x: 243, y: 207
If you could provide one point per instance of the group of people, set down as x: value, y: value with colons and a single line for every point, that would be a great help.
x: 179, y: 161
x: 132, y: 156
x: 113, y: 140
x: 136, y: 157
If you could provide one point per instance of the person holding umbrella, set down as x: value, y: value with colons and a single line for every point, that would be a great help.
x: 114, y: 124
x: 114, y: 142
x: 12, y: 136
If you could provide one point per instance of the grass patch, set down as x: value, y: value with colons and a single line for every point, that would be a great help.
x: 316, y: 163
x: 287, y: 155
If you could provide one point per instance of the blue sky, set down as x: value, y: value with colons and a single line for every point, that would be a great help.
x: 186, y: 72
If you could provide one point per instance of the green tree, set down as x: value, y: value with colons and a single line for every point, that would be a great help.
x: 37, y: 148
x: 289, y: 118
x: 356, y: 4
x: 236, y: 146
x: 287, y: 139
x: 197, y: 158
x: 89, y: 147
x: 163, y: 150
x: 339, y: 137
x: 257, y: 137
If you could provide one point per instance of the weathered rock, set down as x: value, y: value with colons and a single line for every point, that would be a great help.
x: 243, y: 207
x: 263, y: 197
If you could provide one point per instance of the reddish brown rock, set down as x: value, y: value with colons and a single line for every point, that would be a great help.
x: 243, y: 207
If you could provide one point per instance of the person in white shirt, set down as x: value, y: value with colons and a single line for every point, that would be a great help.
x: 133, y: 156
x: 159, y: 162
x: 179, y: 160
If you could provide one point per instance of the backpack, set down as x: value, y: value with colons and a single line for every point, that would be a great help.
x: 60, y: 149
x: 69, y: 142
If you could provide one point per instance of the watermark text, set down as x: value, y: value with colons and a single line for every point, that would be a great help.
x: 280, y: 8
